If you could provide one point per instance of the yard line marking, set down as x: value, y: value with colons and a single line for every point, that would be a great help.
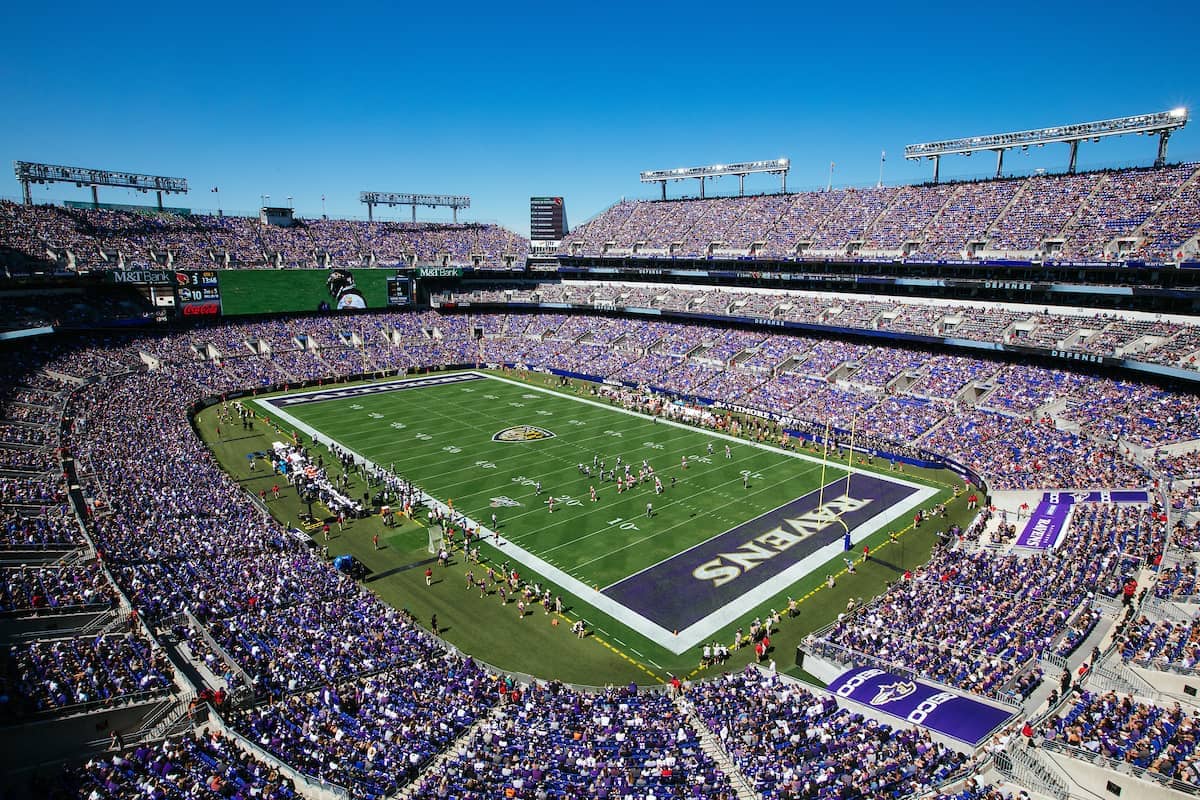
x: 684, y: 639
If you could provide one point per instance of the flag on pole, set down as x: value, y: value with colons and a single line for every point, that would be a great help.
x: 883, y: 155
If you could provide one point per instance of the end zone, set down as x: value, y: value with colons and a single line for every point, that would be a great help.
x: 684, y: 589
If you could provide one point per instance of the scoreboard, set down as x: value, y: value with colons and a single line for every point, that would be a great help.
x: 399, y: 291
x: 547, y: 218
x: 197, y: 293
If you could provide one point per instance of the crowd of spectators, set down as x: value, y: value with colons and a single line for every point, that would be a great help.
x: 1152, y: 212
x: 1162, y: 643
x: 44, y: 529
x: 547, y: 741
x: 1181, y: 579
x: 1185, y: 495
x: 58, y: 674
x: 360, y: 695
x: 908, y: 218
x: 944, y: 376
x: 977, y: 620
x: 52, y: 588
x: 791, y: 742
x: 204, y: 765
x: 1157, y: 739
x: 1155, y: 340
x: 1042, y: 209
x: 375, y: 733
x: 1141, y: 413
x: 1023, y: 453
x: 86, y: 238
x: 1172, y: 225
x: 1119, y: 206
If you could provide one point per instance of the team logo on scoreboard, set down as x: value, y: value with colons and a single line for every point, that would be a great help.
x: 893, y: 691
x: 522, y: 433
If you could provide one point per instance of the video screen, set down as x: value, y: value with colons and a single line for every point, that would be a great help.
x: 274, y: 292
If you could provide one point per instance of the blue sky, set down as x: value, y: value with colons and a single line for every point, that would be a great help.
x: 504, y: 102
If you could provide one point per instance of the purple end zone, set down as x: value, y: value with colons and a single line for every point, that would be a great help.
x: 954, y: 714
x: 689, y: 586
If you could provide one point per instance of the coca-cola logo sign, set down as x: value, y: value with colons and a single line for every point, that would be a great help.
x: 209, y: 309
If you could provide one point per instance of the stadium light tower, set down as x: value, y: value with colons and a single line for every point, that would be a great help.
x: 29, y: 173
x: 774, y: 166
x: 1162, y: 123
x: 372, y: 199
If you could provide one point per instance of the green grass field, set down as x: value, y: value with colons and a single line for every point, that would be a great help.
x: 442, y: 437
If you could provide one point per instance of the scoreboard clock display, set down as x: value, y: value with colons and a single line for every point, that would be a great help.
x: 399, y: 291
x: 197, y: 293
x: 547, y: 218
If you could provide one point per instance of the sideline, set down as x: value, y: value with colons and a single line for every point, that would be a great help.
x: 677, y: 642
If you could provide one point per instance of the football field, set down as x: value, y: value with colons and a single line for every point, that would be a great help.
x: 734, y: 524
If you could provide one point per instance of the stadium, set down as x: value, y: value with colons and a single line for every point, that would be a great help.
x: 879, y: 491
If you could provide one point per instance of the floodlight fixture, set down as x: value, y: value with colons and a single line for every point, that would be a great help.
x: 453, y: 201
x: 1162, y: 124
x: 772, y: 166
x: 28, y: 173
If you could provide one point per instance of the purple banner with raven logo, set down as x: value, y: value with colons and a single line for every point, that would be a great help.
x: 1099, y: 496
x: 915, y: 702
x: 1045, y: 524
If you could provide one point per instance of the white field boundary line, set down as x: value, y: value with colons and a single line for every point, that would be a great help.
x: 716, y: 434
x: 700, y: 630
x: 536, y: 509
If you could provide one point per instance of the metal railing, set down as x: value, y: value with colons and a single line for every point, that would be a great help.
x: 77, y: 555
x: 308, y: 785
x: 1165, y: 666
x: 165, y: 717
x: 106, y: 705
x: 1021, y: 766
x: 1165, y: 609
x: 1182, y: 599
x: 1115, y: 676
x: 1107, y: 603
x: 1053, y: 659
x: 1123, y: 767
x: 49, y: 613
x: 186, y: 617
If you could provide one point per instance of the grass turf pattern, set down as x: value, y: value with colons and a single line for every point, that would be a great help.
x: 442, y: 438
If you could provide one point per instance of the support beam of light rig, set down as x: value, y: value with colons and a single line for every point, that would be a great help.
x: 1161, y: 124
x: 372, y: 199
x: 774, y: 166
x: 29, y: 173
